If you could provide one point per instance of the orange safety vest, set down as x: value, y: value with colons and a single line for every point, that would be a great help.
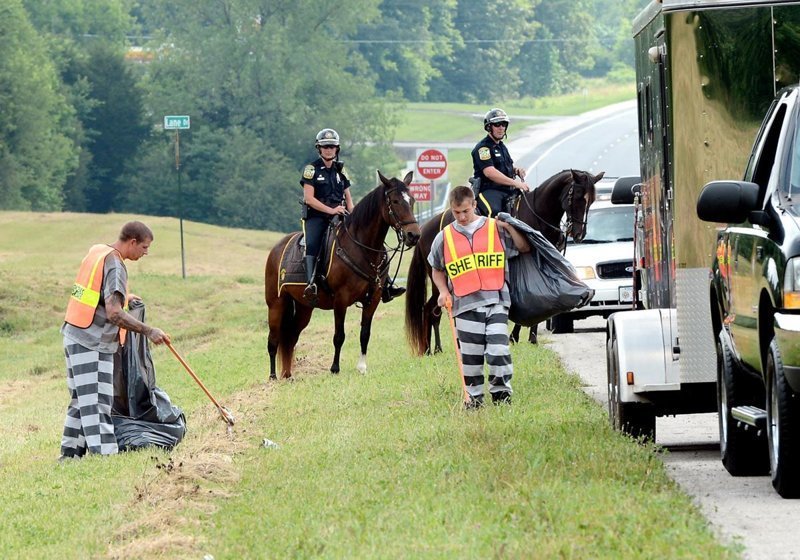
x: 85, y: 295
x: 480, y: 266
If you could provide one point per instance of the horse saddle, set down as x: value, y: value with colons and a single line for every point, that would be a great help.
x: 293, y: 267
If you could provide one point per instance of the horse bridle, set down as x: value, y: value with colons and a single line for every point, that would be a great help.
x: 562, y: 240
x: 398, y: 224
x: 384, y: 262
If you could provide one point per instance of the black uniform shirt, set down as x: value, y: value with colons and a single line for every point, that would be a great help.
x: 329, y: 183
x: 487, y: 153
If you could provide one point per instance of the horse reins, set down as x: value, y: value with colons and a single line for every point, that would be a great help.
x: 562, y: 240
x: 384, y: 263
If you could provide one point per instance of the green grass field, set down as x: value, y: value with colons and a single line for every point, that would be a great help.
x: 382, y: 465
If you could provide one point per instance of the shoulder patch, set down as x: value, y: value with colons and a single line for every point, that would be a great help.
x: 308, y: 172
x: 346, y: 173
x: 483, y: 153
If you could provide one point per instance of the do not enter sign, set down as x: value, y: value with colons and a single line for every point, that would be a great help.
x: 432, y: 164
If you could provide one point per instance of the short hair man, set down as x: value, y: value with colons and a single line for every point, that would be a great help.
x: 469, y: 258
x: 94, y: 326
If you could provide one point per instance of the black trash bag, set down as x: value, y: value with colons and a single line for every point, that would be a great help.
x: 142, y: 413
x: 542, y: 282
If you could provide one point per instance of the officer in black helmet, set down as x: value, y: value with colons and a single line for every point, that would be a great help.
x: 494, y: 167
x: 326, y: 193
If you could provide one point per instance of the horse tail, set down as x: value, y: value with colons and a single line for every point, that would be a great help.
x: 416, y: 294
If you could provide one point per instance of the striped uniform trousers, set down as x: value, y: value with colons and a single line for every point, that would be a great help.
x: 483, y: 335
x: 90, y: 380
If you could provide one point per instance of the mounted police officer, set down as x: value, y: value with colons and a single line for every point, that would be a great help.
x: 494, y: 168
x: 326, y: 194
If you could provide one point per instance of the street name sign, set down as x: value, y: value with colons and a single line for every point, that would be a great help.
x: 176, y: 122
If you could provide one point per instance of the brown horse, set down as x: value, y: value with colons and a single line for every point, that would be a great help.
x: 355, y: 265
x: 569, y: 192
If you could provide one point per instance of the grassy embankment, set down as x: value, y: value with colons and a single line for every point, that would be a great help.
x: 382, y: 465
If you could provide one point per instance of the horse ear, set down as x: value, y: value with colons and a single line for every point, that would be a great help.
x: 409, y: 176
x: 599, y: 176
x: 383, y: 179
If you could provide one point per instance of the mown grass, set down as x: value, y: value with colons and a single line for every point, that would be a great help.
x: 462, y: 123
x: 382, y: 465
x: 450, y: 122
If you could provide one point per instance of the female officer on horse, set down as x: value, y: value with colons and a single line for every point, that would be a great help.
x: 326, y: 194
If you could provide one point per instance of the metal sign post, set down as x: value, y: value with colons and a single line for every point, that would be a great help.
x: 178, y: 123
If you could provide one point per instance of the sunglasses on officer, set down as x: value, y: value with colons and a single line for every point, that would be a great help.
x: 500, y: 124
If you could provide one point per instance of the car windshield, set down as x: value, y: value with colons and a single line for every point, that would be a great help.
x: 609, y: 224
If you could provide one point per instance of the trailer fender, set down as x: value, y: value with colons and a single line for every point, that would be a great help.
x: 643, y: 352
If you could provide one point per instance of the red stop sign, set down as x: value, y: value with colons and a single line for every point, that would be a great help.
x: 432, y: 164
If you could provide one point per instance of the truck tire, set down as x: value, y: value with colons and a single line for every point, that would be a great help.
x: 638, y: 420
x: 561, y: 324
x: 783, y: 428
x: 743, y: 453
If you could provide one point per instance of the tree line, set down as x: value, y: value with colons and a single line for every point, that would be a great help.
x: 84, y: 86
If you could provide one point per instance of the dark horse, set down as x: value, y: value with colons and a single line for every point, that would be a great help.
x: 355, y: 266
x: 569, y: 192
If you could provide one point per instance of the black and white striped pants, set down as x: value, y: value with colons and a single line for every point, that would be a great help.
x: 483, y: 333
x: 90, y: 380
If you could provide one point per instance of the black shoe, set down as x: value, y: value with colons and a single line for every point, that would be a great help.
x: 390, y: 292
x: 502, y: 397
x: 473, y: 403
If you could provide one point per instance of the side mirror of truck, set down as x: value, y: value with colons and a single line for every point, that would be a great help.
x: 729, y: 202
x: 624, y: 189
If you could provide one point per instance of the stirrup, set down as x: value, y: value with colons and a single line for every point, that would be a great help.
x: 310, y: 294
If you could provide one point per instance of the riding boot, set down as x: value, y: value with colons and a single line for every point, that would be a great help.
x: 310, y: 293
x: 390, y: 291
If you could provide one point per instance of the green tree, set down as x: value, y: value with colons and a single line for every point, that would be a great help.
x: 480, y: 70
x: 564, y: 48
x: 87, y: 40
x: 36, y: 154
x: 401, y: 45
x: 259, y: 79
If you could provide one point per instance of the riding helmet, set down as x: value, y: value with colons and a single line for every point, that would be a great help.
x: 495, y: 116
x: 327, y: 137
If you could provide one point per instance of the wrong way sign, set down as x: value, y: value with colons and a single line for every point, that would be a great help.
x: 421, y: 191
x: 432, y: 164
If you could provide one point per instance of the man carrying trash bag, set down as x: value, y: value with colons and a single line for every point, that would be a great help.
x: 469, y: 258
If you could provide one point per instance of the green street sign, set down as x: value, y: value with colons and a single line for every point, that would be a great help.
x: 176, y: 122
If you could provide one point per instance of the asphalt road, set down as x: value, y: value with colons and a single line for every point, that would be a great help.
x: 743, y: 510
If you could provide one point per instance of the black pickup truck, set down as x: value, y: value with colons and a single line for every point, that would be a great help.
x: 755, y: 302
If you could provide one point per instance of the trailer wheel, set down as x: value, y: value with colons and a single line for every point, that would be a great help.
x: 638, y: 420
x: 783, y: 428
x: 561, y: 324
x: 743, y: 453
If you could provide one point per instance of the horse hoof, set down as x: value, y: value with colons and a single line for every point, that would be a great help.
x: 273, y: 377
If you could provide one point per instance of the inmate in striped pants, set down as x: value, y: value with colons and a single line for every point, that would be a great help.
x: 90, y: 380
x: 484, y: 332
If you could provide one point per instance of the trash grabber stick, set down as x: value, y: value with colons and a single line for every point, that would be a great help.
x: 224, y: 412
x: 448, y: 305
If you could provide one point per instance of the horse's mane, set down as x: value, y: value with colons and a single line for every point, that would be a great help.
x: 550, y: 181
x: 365, y: 209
